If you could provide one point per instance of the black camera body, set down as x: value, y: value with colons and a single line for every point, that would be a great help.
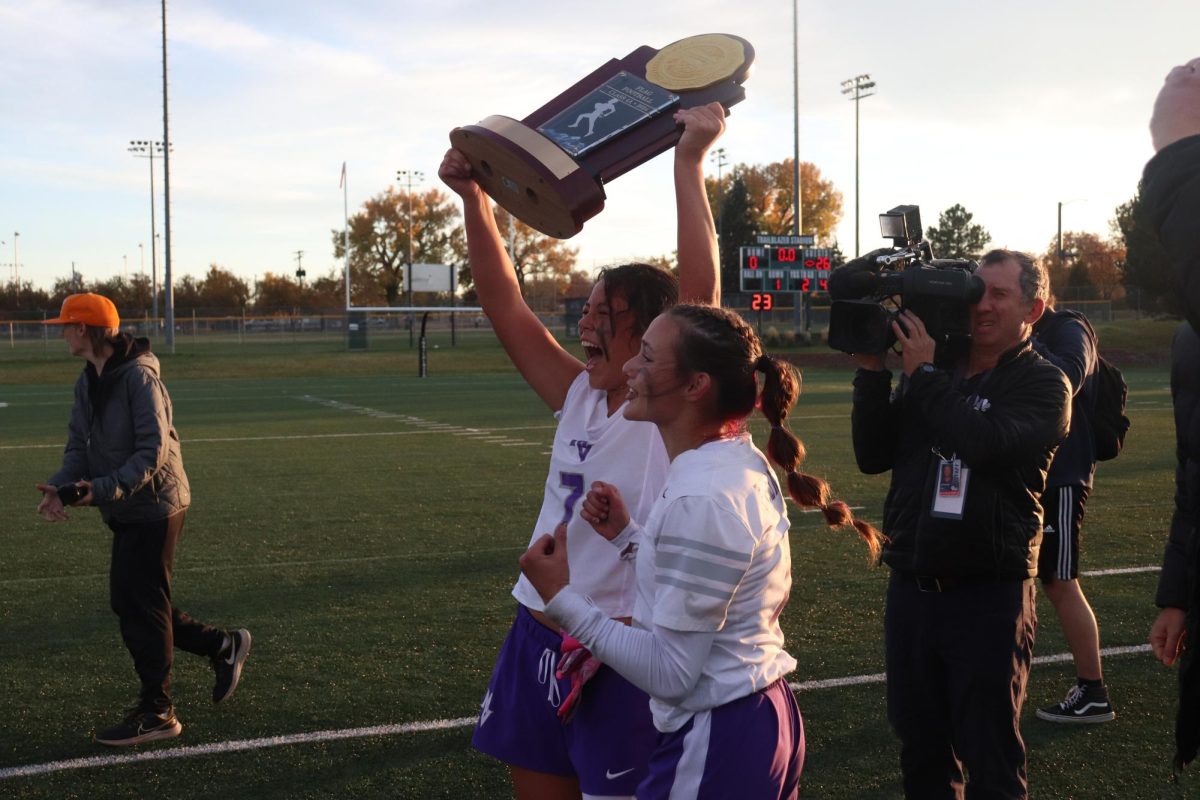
x: 869, y: 292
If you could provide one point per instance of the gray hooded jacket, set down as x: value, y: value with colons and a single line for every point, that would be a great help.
x: 121, y: 437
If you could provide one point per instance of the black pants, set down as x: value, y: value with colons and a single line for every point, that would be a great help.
x: 957, y: 667
x: 139, y: 587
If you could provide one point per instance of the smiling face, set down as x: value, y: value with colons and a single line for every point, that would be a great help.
x: 1001, y: 319
x: 606, y: 331
x: 654, y: 382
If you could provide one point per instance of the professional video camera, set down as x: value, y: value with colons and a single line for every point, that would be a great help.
x: 869, y: 292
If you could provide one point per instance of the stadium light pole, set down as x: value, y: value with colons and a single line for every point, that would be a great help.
x: 798, y: 222
x: 857, y: 87
x: 407, y: 176
x: 142, y: 148
x: 16, y: 260
x: 168, y: 285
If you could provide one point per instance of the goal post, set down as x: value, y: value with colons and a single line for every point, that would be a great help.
x: 441, y: 278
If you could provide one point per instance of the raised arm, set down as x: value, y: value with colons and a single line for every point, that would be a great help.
x: 546, y: 366
x: 699, y: 256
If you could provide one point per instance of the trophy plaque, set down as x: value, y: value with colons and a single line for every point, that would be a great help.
x: 549, y: 169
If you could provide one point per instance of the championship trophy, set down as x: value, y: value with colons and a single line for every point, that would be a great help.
x: 549, y: 169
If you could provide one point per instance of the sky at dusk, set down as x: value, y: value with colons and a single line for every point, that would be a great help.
x: 1006, y: 108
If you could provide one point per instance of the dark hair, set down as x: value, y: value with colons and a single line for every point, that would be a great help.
x: 648, y: 290
x: 1033, y: 279
x: 720, y: 343
x: 98, y: 335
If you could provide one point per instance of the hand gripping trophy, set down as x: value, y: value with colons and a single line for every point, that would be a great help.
x: 549, y: 169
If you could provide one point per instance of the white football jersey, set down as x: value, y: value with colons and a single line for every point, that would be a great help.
x: 715, y: 557
x: 590, y: 445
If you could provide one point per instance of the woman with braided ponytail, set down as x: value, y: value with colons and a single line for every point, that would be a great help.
x: 714, y: 571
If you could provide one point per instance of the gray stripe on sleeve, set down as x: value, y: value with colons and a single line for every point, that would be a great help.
x: 697, y: 567
x: 679, y: 541
x: 698, y: 588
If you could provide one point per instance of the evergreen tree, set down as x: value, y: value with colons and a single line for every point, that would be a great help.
x: 955, y: 237
x: 737, y: 230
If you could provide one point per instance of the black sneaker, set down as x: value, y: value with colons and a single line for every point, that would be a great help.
x: 228, y: 664
x: 1082, y: 704
x: 141, y: 726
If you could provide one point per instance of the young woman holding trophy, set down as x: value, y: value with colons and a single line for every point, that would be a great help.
x: 559, y: 739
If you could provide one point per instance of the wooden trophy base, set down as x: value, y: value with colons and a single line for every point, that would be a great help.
x: 530, y: 176
x: 555, y: 185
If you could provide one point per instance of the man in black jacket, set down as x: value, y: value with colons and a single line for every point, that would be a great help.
x: 968, y: 450
x: 1171, y: 194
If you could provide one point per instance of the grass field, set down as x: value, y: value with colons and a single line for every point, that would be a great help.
x: 364, y: 524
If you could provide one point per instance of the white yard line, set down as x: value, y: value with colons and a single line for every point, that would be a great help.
x: 235, y: 746
x: 243, y: 745
x: 879, y: 677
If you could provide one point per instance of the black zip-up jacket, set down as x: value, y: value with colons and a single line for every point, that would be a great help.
x: 1179, y: 558
x: 1004, y: 424
x: 1171, y: 198
x: 1171, y: 194
x: 121, y: 437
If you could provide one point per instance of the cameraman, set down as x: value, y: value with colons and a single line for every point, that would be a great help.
x: 969, y: 449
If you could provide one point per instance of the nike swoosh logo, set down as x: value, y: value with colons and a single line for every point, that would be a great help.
x: 612, y: 776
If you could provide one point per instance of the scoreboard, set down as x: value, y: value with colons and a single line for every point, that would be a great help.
x: 784, y: 268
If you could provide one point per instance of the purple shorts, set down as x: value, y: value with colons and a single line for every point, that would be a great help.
x: 606, y: 745
x: 751, y: 747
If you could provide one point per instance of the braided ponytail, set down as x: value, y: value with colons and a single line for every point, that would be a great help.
x: 781, y: 387
x: 720, y: 343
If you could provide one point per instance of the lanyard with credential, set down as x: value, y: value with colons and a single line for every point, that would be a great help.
x: 953, y: 475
